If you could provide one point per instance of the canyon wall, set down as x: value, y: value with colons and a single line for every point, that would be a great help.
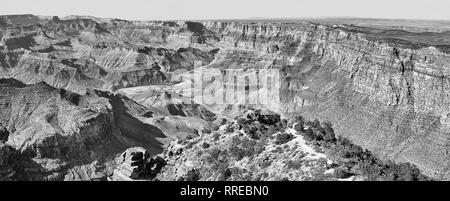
x: 79, y: 54
x: 391, y: 98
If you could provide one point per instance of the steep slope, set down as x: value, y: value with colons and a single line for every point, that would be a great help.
x: 55, y: 134
x: 387, y: 95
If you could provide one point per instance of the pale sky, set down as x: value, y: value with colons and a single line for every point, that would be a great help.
x: 231, y: 9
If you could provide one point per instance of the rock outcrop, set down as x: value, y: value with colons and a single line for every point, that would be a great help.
x: 136, y: 164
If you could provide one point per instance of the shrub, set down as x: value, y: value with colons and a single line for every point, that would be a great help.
x: 283, y: 138
x: 370, y: 170
x: 245, y: 147
x: 199, y: 153
x: 190, y: 144
x: 265, y: 163
x: 343, y: 141
x: 237, y: 153
x: 4, y: 134
x: 299, y: 120
x: 280, y: 125
x: 329, y: 132
x: 216, y: 136
x: 215, y: 127
x: 224, y: 172
x: 229, y: 128
x: 309, y: 135
x: 407, y: 172
x: 352, y: 151
x: 299, y: 127
x: 342, y: 173
x: 259, y: 147
x: 374, y: 168
x: 251, y: 130
x: 214, y: 153
x: 318, y: 135
x: 278, y: 150
x: 270, y: 119
x: 284, y: 123
x: 271, y: 130
x: 205, y: 145
x: 241, y: 122
x: 224, y: 121
x: 208, y: 131
x: 392, y: 172
x: 193, y: 175
x: 294, y: 164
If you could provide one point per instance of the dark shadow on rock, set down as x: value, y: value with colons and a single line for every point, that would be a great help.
x: 10, y: 82
x: 134, y: 130
x: 69, y: 96
x: 175, y: 110
x: 4, y: 134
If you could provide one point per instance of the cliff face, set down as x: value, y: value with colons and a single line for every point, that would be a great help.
x: 389, y: 97
x: 52, y: 134
x: 49, y: 129
x: 79, y: 54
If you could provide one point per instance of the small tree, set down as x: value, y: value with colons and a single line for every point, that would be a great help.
x: 205, y: 145
x: 309, y: 134
x: 193, y: 175
x: 283, y: 138
x: 329, y: 132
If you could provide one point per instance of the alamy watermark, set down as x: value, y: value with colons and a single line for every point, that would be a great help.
x: 247, y: 85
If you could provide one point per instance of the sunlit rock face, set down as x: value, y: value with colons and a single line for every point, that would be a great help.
x: 81, y: 53
x: 56, y: 132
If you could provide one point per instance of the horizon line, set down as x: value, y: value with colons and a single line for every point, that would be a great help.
x: 248, y: 18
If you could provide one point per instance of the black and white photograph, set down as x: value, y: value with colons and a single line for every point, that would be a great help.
x: 224, y: 90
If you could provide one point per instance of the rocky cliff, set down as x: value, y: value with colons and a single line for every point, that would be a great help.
x: 79, y: 54
x: 387, y: 94
x: 54, y: 134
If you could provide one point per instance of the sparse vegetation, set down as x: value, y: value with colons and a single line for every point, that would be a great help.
x: 353, y: 160
x: 245, y: 147
x: 216, y: 136
x: 227, y: 159
x: 294, y: 164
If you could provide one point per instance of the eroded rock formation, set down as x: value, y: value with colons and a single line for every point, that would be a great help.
x: 56, y: 134
x: 385, y: 90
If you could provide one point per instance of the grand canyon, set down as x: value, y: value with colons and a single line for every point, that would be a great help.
x: 87, y: 98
